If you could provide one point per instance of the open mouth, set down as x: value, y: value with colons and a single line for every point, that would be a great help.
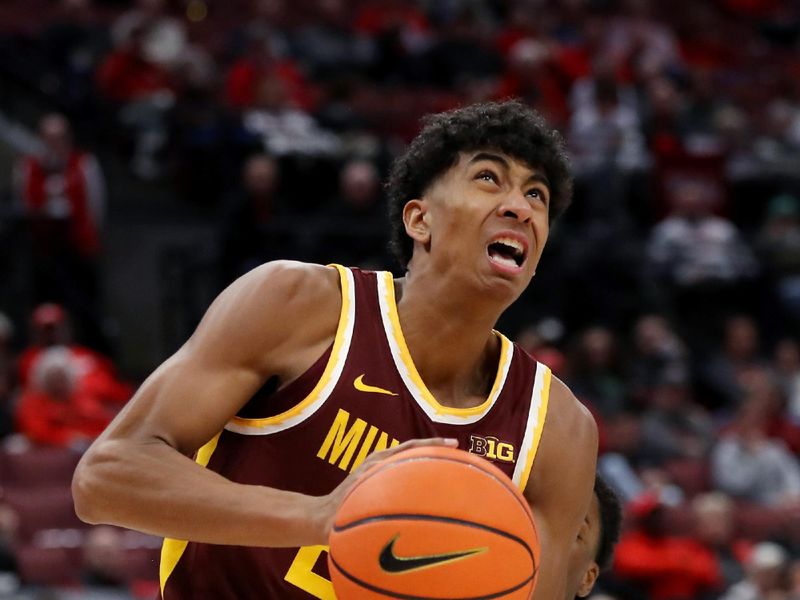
x: 507, y: 252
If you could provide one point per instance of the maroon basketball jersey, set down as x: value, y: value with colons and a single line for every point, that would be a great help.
x: 364, y: 394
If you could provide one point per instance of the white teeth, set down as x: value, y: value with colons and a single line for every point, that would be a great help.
x: 511, y: 243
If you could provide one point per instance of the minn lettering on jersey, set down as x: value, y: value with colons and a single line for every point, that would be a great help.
x: 342, y: 442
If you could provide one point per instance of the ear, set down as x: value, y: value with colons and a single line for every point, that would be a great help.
x: 589, y: 578
x: 415, y: 217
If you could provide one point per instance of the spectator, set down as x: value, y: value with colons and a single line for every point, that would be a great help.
x: 778, y: 245
x: 542, y: 341
x: 283, y: 129
x: 245, y: 236
x: 751, y: 466
x: 673, y: 426
x: 725, y: 371
x: 356, y: 222
x: 75, y: 43
x: 258, y: 63
x: 63, y: 193
x: 6, y: 350
x: 137, y: 82
x: 462, y: 55
x: 267, y: 21
x: 7, y: 376
x: 595, y: 372
x: 658, y: 355
x: 163, y: 38
x: 54, y: 410
x: 715, y: 528
x: 621, y: 457
x: 327, y: 46
x: 766, y: 575
x: 787, y: 364
x: 703, y: 263
x: 530, y: 75
x: 401, y: 35
x: 640, y: 41
x: 95, y: 372
x: 763, y: 387
x: 604, y: 132
x: 605, y: 139
x: 664, y: 566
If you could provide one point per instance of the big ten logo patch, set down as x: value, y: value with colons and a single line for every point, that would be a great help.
x: 492, y: 448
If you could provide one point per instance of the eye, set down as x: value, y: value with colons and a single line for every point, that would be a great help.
x: 487, y: 176
x: 537, y: 194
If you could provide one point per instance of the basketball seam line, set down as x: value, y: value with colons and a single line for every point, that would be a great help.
x: 400, y: 596
x: 423, y: 517
x: 381, y: 467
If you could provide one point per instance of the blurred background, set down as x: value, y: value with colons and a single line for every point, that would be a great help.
x: 152, y: 151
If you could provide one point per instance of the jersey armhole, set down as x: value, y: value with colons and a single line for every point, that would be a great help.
x: 537, y: 415
x: 330, y: 376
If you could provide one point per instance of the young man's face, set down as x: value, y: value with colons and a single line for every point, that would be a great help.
x: 486, y: 219
x: 583, y: 569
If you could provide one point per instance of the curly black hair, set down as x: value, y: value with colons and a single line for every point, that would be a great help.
x: 610, y: 522
x: 509, y: 127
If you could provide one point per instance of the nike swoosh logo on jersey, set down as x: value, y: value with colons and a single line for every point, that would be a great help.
x: 359, y: 384
x: 391, y: 563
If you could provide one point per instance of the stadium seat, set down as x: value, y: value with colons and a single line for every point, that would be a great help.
x: 53, y: 566
x: 142, y: 563
x: 37, y: 466
x: 691, y: 475
x: 42, y: 508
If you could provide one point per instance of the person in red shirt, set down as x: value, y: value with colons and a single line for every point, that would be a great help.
x: 62, y: 192
x: 257, y: 64
x: 531, y: 74
x: 142, y: 91
x: 127, y: 74
x: 96, y: 373
x: 664, y: 566
x: 54, y: 409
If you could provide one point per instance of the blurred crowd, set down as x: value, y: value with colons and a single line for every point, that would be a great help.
x: 668, y: 297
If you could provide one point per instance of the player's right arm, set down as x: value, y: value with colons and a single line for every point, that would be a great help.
x: 275, y: 321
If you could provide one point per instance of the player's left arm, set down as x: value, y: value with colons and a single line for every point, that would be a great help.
x: 560, y: 486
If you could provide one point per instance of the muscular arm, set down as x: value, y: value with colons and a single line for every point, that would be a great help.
x: 274, y: 321
x: 560, y: 486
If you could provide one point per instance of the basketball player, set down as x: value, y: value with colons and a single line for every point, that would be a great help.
x: 299, y: 372
x: 593, y: 548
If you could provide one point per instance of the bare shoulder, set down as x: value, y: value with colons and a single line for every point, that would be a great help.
x: 272, y: 315
x: 567, y: 453
x: 568, y: 419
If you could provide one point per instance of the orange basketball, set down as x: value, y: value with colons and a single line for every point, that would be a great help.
x: 432, y: 524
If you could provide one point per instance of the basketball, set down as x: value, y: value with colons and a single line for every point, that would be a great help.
x: 434, y: 523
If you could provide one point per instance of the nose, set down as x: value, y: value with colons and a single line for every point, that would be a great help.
x: 515, y: 206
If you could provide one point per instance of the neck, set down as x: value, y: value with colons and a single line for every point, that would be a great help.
x: 457, y: 358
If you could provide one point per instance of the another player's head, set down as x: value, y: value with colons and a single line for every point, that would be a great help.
x: 473, y: 159
x: 594, y: 547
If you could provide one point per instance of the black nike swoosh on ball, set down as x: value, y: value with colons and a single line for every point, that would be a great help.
x: 391, y: 563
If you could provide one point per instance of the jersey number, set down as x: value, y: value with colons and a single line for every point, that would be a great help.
x: 301, y: 574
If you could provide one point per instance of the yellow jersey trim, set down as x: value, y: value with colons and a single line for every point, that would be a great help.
x: 541, y: 417
x: 172, y: 550
x: 341, y: 345
x: 396, y: 335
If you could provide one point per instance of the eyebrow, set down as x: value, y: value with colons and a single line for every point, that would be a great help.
x: 496, y: 158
